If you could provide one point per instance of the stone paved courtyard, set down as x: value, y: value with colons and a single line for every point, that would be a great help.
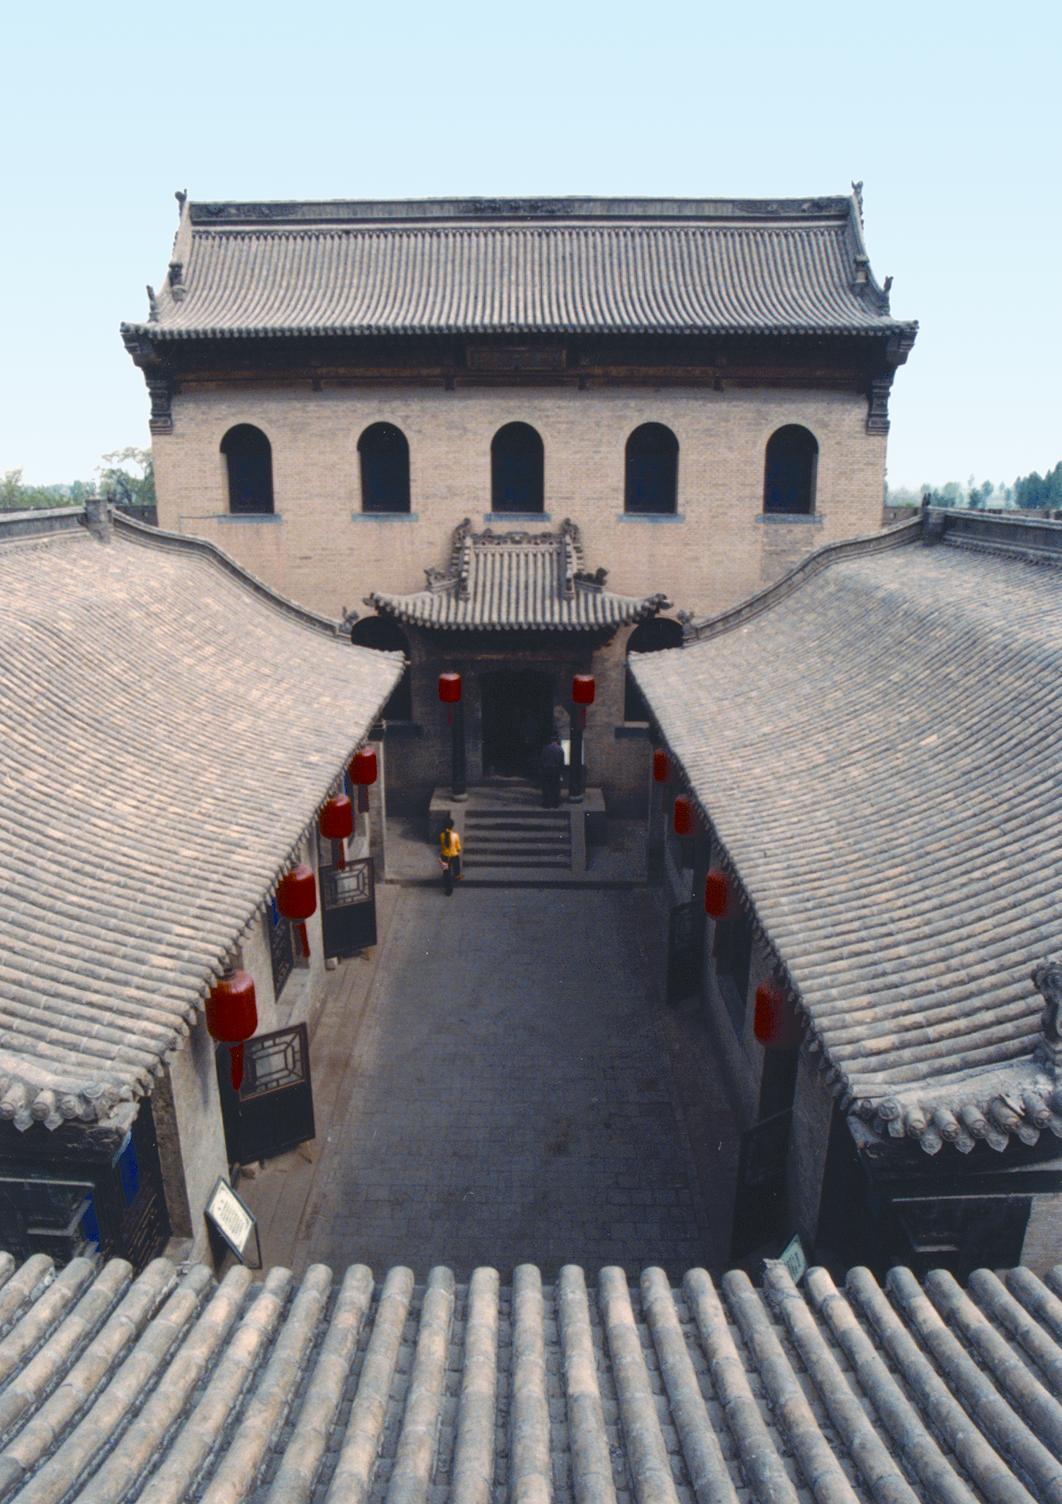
x: 513, y: 1091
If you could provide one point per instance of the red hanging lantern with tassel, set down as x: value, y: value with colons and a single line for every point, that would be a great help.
x: 363, y: 768
x: 682, y: 816
x: 363, y: 772
x: 775, y: 1023
x: 336, y: 822
x: 660, y: 766
x: 232, y: 1017
x: 583, y: 689
x: 297, y: 900
x: 716, y: 894
x: 449, y: 688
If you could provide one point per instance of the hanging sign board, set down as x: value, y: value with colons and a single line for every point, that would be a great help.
x: 234, y: 1221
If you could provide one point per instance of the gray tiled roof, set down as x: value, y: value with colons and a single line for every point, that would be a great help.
x: 172, y: 1387
x: 876, y: 748
x: 666, y: 268
x: 517, y: 581
x: 168, y: 729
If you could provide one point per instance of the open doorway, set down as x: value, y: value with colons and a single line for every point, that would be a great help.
x: 517, y: 720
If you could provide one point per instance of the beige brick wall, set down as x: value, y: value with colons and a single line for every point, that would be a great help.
x: 321, y: 556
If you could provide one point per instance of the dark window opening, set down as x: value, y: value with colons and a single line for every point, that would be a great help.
x: 649, y: 637
x: 381, y: 633
x: 733, y: 959
x: 516, y: 470
x: 384, y: 453
x: 790, y: 469
x: 652, y: 471
x: 249, y: 461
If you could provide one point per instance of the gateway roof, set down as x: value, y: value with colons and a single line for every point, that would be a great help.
x: 173, y: 1387
x: 169, y: 728
x: 874, y: 742
x: 517, y: 581
x: 519, y: 266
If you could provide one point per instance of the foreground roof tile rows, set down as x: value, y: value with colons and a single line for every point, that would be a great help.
x: 168, y: 729
x: 276, y: 270
x: 173, y: 1387
x: 877, y: 750
x: 517, y: 581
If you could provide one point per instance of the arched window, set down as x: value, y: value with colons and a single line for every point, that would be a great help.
x: 384, y: 454
x: 652, y: 471
x: 386, y: 636
x: 789, y: 473
x: 516, y: 465
x: 649, y: 637
x: 249, y: 461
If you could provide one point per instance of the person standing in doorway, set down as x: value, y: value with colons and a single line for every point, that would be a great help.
x: 552, y: 765
x: 450, y: 855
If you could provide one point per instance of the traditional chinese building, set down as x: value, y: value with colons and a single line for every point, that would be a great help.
x: 170, y: 729
x: 870, y: 751
x: 694, y: 391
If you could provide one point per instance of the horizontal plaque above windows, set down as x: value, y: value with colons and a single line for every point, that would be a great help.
x: 517, y: 358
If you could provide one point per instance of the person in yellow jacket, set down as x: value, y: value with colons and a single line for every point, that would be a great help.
x: 450, y: 855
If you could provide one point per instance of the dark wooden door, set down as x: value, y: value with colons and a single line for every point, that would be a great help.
x: 348, y: 907
x: 685, y: 940
x: 273, y: 1110
x: 760, y: 1201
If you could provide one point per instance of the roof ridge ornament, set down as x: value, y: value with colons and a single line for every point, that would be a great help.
x: 153, y: 305
x: 857, y: 194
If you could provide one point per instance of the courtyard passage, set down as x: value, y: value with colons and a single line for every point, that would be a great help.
x: 513, y: 1091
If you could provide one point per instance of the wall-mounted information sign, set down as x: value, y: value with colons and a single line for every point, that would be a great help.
x: 234, y: 1221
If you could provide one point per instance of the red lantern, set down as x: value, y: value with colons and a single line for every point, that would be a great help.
x: 583, y: 689
x: 232, y: 1017
x: 660, y: 767
x: 775, y: 1022
x: 336, y: 822
x: 450, y: 688
x: 363, y: 768
x: 297, y: 900
x: 683, y: 816
x: 716, y: 894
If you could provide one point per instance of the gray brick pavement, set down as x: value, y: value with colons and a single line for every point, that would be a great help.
x: 509, y: 1097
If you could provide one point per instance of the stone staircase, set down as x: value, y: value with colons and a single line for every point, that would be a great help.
x: 506, y: 828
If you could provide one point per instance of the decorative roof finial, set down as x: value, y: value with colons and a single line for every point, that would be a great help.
x: 857, y: 189
x: 153, y: 305
x: 182, y: 198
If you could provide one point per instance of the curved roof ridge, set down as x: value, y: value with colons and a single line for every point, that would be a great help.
x: 822, y: 558
x: 157, y: 537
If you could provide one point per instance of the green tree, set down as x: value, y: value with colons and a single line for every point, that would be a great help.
x: 119, y: 477
x: 11, y: 490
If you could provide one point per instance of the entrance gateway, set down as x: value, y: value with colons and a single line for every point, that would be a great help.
x: 517, y: 720
x: 517, y: 615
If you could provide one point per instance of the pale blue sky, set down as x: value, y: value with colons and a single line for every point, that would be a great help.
x: 949, y: 113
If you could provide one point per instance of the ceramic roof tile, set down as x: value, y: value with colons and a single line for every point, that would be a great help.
x: 327, y: 1389
x: 168, y: 729
x: 874, y: 743
x: 673, y: 267
x: 516, y: 581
